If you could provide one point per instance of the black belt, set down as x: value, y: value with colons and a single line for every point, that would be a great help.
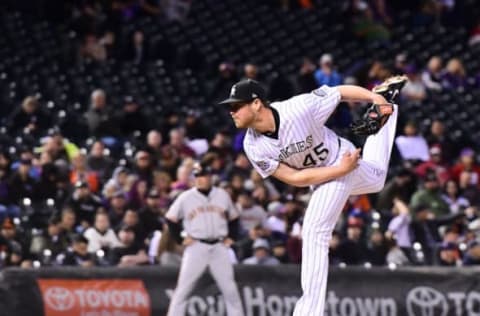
x: 210, y: 241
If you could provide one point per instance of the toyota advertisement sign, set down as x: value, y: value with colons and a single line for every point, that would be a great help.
x: 265, y: 291
x: 94, y: 297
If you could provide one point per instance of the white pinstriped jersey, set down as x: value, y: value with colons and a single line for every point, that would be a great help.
x: 204, y: 217
x: 303, y: 140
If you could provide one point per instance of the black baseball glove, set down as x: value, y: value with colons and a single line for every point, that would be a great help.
x: 376, y: 115
x: 372, y: 121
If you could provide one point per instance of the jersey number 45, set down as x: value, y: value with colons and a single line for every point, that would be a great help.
x: 319, y: 154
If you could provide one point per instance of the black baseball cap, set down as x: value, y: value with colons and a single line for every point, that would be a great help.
x: 245, y: 91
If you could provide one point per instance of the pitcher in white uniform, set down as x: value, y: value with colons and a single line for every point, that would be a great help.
x: 210, y: 221
x: 289, y: 141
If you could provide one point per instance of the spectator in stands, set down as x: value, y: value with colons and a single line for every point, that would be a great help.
x: 467, y: 163
x: 224, y: 80
x: 21, y: 184
x: 80, y: 172
x: 306, y: 76
x: 326, y: 74
x: 472, y: 254
x: 144, y: 166
x: 414, y: 89
x: 49, y: 243
x: 129, y: 253
x: 251, y: 214
x: 221, y: 145
x: 437, y: 136
x: 138, y: 194
x: 455, y: 76
x: 260, y: 195
x: 279, y: 251
x: 5, y: 202
x: 468, y: 184
x: 257, y: 181
x: 395, y: 255
x: 401, y: 64
x: 98, y: 117
x: 364, y: 25
x: 244, y: 246
x: 352, y: 250
x: 137, y: 50
x: 169, y: 251
x: 92, y: 48
x: 60, y: 149
x: 99, y: 161
x: 67, y: 222
x: 399, y: 227
x: 377, y: 73
x: 183, y: 181
x: 334, y: 258
x: 425, y: 228
x: 151, y: 215
x: 377, y: 248
x: 430, y: 195
x: 178, y: 145
x: 250, y: 71
x: 154, y: 145
x: 380, y: 11
x: 261, y: 254
x: 194, y: 128
x: 101, y: 236
x: 432, y: 75
x: 29, y: 118
x: 47, y: 185
x: 118, y: 182
x: 162, y: 183
x: 411, y: 145
x: 276, y: 221
x: 117, y: 208
x: 448, y: 255
x: 131, y: 219
x: 435, y: 164
x: 16, y: 243
x: 84, y: 203
x: 78, y: 254
x: 132, y: 119
x: 241, y: 166
x: 108, y: 41
x: 452, y: 195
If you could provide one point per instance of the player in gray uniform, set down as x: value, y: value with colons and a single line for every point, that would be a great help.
x: 289, y: 141
x: 210, y: 221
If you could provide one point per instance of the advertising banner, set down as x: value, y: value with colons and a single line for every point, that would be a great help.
x: 265, y: 291
x: 94, y: 297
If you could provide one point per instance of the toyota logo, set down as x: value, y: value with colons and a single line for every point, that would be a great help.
x: 425, y: 301
x: 59, y: 298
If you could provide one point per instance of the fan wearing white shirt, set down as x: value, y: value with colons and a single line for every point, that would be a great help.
x: 101, y: 236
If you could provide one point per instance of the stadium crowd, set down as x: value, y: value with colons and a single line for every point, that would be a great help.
x: 102, y: 201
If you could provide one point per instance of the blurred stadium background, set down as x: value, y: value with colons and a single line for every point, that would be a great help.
x: 105, y: 104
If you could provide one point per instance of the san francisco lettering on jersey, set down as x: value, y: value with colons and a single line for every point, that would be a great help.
x: 207, y: 209
x: 295, y: 148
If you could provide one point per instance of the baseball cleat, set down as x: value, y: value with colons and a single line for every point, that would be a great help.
x: 391, y: 87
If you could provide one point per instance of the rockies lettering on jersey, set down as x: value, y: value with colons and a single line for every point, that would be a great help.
x: 303, y: 140
x: 297, y: 147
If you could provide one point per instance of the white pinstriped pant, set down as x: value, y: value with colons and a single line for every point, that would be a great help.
x: 325, y: 207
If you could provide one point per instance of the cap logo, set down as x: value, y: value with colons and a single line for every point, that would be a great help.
x: 233, y: 91
x: 254, y: 95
